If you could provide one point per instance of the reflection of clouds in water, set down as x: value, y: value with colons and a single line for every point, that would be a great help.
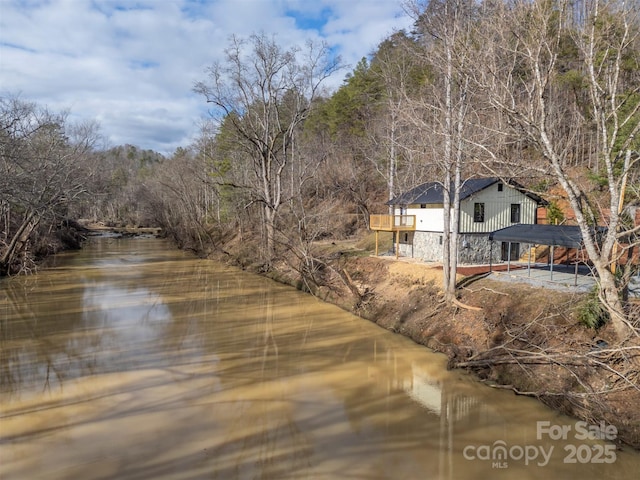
x: 129, y: 315
x: 125, y: 327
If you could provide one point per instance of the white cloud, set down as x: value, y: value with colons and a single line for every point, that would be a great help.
x: 131, y: 64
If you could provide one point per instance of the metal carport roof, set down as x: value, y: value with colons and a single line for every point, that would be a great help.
x: 555, y: 235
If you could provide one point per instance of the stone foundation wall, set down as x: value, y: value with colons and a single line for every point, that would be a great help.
x: 472, y: 248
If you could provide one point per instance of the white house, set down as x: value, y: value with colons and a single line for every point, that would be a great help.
x: 486, y: 205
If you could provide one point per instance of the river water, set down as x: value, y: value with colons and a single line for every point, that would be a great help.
x: 132, y: 360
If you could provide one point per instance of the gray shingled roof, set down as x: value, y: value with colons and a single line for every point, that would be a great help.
x: 432, y: 192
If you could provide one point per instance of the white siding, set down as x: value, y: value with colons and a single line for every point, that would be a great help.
x: 497, y: 209
x: 428, y: 219
x: 474, y: 245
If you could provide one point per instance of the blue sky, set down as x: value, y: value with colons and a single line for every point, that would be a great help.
x: 131, y: 64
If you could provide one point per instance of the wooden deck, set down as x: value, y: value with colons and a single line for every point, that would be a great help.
x: 392, y: 223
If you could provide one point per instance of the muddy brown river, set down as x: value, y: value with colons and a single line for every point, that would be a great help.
x: 131, y: 360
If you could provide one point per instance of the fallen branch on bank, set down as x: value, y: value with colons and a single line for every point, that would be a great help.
x: 486, y: 289
x: 513, y: 389
x: 349, y: 283
x: 615, y: 361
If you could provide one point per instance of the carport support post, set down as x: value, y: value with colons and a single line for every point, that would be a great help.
x: 376, y: 243
x: 551, y: 262
x: 490, y: 256
x: 575, y: 280
x: 509, y: 259
x: 529, y: 263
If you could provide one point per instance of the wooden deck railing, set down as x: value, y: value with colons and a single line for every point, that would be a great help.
x: 392, y: 223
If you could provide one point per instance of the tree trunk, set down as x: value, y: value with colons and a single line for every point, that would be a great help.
x: 392, y: 160
x: 29, y: 223
x: 450, y: 236
x: 270, y: 228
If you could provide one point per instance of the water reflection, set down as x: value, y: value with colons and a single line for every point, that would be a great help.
x: 130, y: 360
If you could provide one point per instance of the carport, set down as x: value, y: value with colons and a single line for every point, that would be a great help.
x: 568, y: 236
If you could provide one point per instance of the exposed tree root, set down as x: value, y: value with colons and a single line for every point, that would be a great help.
x: 458, y: 303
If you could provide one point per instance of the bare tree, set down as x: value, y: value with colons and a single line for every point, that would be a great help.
x: 40, y: 164
x: 444, y: 26
x: 398, y: 72
x: 524, y: 42
x: 265, y: 92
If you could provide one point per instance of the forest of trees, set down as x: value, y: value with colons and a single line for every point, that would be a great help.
x: 545, y: 92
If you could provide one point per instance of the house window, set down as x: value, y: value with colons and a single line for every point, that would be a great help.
x: 423, y: 205
x: 500, y: 186
x: 509, y: 251
x: 478, y: 212
x: 515, y: 213
x: 440, y: 239
x: 406, y: 238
